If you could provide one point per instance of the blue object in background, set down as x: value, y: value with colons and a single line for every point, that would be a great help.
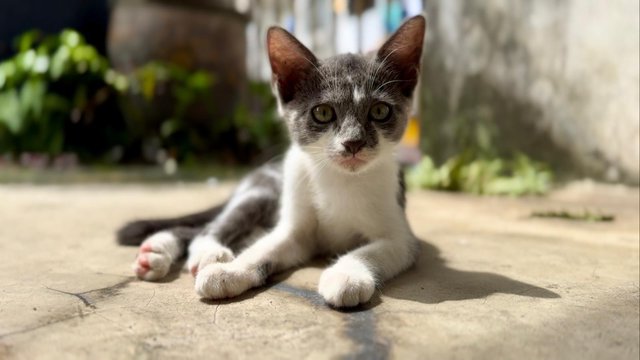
x: 290, y: 24
x: 394, y: 15
x: 398, y: 10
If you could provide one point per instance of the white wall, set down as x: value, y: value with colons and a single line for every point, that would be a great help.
x: 576, y: 62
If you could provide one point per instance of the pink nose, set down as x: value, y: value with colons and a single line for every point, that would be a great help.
x: 353, y: 146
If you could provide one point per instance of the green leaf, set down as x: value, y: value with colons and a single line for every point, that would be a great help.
x: 71, y: 38
x: 60, y: 62
x: 32, y: 98
x: 10, y: 114
x: 27, y: 39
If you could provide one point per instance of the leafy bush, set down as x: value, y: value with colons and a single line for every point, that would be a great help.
x: 490, y: 176
x: 257, y: 126
x: 58, y: 94
x: 50, y: 84
x: 465, y: 144
x: 157, y: 100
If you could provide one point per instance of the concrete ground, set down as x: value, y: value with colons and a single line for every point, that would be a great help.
x: 491, y: 282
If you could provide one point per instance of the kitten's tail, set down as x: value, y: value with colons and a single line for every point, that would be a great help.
x: 134, y: 232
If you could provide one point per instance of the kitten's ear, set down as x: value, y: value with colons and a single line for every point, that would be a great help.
x: 403, y: 51
x: 290, y: 61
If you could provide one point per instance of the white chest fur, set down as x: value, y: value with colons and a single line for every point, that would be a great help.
x: 349, y: 208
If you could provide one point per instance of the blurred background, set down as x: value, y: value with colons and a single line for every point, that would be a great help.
x: 515, y: 95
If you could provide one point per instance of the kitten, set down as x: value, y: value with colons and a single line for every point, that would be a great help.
x: 339, y: 190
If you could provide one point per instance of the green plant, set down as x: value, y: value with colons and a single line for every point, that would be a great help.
x: 257, y: 126
x: 488, y: 176
x: 58, y: 94
x: 467, y: 148
x: 159, y: 99
x: 52, y: 82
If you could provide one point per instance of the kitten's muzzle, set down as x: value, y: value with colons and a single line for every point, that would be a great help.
x: 353, y: 146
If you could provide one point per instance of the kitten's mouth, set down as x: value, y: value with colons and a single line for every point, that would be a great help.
x: 351, y: 163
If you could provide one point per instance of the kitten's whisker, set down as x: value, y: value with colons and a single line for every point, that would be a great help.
x: 389, y: 82
x: 317, y: 69
x: 383, y: 64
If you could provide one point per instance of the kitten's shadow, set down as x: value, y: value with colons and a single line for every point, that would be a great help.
x: 177, y: 270
x: 431, y: 281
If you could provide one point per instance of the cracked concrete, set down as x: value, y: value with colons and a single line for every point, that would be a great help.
x: 491, y: 282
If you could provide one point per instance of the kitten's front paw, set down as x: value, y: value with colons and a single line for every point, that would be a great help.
x: 225, y: 280
x: 155, y: 256
x: 343, y: 287
x: 205, y: 254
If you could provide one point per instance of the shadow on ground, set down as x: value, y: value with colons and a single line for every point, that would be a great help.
x: 431, y: 281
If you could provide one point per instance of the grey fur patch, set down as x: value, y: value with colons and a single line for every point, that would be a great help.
x: 257, y: 212
x: 402, y: 190
x: 185, y: 234
x: 133, y: 233
x: 264, y: 270
x: 243, y: 215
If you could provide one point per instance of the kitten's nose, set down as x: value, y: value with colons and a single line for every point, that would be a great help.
x: 353, y: 146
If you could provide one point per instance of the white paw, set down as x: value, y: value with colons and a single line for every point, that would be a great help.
x: 225, y: 280
x: 156, y: 255
x: 344, y: 287
x: 206, y: 251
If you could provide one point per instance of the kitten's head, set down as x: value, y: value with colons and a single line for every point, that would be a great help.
x: 348, y: 110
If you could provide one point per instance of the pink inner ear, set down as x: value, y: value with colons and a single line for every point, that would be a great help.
x: 286, y: 51
x: 290, y: 61
x: 403, y: 51
x: 404, y: 47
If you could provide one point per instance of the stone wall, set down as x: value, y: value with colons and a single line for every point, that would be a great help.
x: 557, y: 79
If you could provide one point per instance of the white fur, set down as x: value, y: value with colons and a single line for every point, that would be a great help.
x: 347, y: 283
x: 358, y: 95
x: 223, y: 280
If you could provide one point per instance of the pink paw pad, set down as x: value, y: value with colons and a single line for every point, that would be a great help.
x: 143, y: 266
x: 143, y: 261
x: 146, y: 247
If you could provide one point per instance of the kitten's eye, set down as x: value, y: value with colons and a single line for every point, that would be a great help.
x: 322, y: 113
x: 380, y: 111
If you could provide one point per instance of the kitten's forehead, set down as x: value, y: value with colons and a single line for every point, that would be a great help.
x: 344, y: 73
x: 352, y: 78
x: 345, y: 65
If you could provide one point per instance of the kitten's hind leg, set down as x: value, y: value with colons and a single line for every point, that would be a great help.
x: 253, y: 206
x: 160, y: 250
x: 245, y: 214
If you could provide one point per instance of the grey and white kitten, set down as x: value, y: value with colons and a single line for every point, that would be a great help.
x: 338, y: 191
